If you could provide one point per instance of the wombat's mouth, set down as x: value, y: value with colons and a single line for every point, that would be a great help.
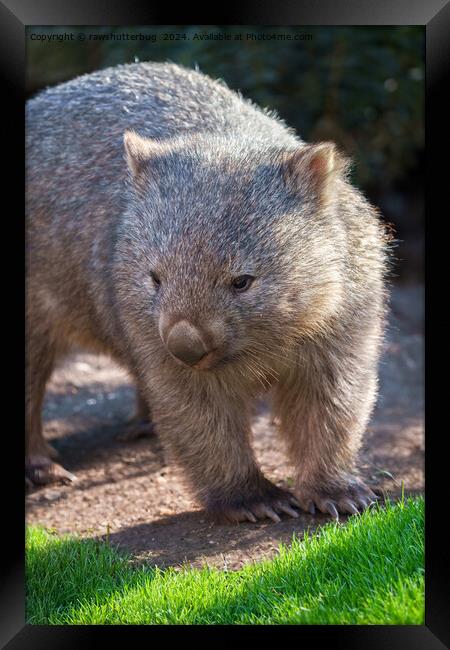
x: 214, y: 360
x: 223, y: 360
x: 209, y: 361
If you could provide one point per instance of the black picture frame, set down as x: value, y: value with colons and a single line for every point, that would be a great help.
x: 434, y: 15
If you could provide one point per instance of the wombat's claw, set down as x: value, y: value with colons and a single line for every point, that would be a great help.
x: 44, y: 471
x: 331, y: 508
x: 262, y: 511
x: 284, y: 507
x: 351, y: 499
x: 350, y: 507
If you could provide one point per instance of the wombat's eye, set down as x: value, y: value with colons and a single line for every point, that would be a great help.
x: 242, y: 282
x: 155, y: 278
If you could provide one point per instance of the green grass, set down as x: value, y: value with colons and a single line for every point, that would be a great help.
x: 368, y: 571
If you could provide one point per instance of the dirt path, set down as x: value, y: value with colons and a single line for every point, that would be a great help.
x: 129, y: 488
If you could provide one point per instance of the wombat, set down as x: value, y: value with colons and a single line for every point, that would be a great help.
x: 196, y: 239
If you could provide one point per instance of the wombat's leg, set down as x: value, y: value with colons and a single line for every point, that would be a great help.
x: 323, y: 409
x: 39, y: 467
x: 140, y: 424
x: 207, y: 435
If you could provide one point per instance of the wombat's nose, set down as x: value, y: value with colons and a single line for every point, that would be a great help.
x: 185, y: 343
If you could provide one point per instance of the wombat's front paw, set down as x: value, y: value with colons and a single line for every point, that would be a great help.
x: 349, y: 498
x: 40, y: 470
x: 270, y: 504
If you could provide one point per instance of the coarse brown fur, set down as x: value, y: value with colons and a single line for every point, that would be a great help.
x: 151, y: 192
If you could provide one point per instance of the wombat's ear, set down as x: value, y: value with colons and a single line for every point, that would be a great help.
x: 311, y: 169
x: 138, y: 151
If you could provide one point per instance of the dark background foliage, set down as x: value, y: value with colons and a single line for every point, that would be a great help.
x: 362, y: 87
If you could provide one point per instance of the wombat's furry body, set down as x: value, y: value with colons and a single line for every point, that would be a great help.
x: 216, y: 256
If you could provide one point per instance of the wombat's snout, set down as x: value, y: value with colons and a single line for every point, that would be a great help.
x: 185, y: 342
